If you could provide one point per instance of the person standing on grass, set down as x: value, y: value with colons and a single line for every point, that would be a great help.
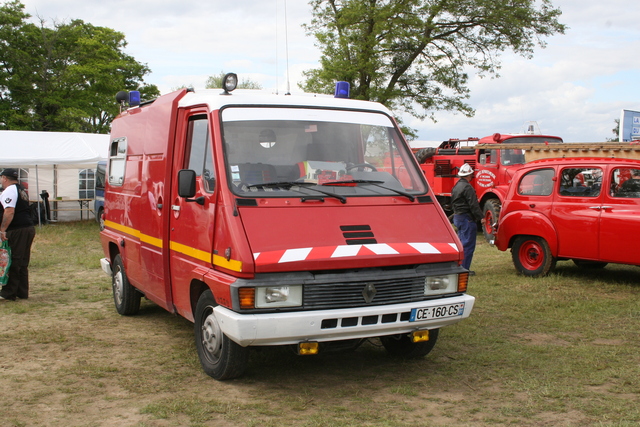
x: 466, y: 213
x: 18, y: 229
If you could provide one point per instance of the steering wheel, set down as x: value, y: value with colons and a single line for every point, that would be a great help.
x: 361, y: 167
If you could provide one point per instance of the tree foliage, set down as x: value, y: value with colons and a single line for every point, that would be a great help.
x: 415, y: 55
x: 64, y: 77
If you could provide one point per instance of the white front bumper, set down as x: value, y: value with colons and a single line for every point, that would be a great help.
x: 295, y: 327
x: 106, y: 266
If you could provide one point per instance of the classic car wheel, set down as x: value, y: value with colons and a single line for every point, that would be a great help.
x: 220, y: 357
x: 491, y: 215
x: 532, y: 256
x: 589, y: 264
x: 402, y: 346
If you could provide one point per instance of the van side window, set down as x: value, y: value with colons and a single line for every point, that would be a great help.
x: 625, y: 182
x: 199, y: 151
x: 117, y: 161
x: 581, y: 182
x: 537, y: 183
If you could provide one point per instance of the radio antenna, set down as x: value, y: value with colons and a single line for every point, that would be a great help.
x: 277, y: 60
x: 286, y: 42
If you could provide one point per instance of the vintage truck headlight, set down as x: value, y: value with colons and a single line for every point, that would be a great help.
x: 278, y: 296
x: 436, y: 285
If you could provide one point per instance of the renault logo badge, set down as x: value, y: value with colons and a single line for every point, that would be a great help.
x: 369, y: 292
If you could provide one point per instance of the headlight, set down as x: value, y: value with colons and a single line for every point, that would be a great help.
x: 436, y: 285
x: 279, y: 296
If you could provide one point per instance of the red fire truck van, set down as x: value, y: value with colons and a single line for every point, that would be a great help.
x: 277, y: 220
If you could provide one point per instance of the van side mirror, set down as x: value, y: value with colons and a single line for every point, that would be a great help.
x: 187, y: 186
x: 186, y: 183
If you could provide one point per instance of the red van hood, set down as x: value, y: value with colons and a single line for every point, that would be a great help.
x: 299, y: 238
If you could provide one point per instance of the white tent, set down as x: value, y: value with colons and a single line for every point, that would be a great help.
x: 60, y: 163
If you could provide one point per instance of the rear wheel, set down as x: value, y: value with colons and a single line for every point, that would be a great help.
x: 126, y: 297
x: 220, y: 357
x: 532, y: 256
x: 589, y: 264
x: 491, y: 215
x: 402, y: 346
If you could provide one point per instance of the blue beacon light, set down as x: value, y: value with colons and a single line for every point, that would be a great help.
x: 342, y: 90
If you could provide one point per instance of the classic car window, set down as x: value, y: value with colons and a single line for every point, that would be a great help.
x: 537, y: 183
x: 581, y: 182
x: 625, y: 182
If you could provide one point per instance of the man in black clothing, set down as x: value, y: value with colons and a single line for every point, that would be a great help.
x: 18, y: 229
x: 466, y: 213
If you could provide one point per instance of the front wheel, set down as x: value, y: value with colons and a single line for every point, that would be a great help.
x: 220, y: 357
x: 402, y: 346
x: 491, y: 215
x: 532, y: 256
x: 126, y: 297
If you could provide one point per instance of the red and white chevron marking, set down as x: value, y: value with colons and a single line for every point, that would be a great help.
x: 343, y: 251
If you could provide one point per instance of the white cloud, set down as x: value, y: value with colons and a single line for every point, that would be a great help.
x: 574, y: 88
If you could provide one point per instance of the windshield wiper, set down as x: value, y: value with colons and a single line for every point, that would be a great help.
x: 288, y: 184
x: 372, y: 182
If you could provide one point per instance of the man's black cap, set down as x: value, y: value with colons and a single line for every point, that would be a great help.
x: 10, y: 173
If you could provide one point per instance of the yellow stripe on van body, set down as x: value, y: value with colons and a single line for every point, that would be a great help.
x: 198, y: 254
x: 231, y: 264
x: 154, y: 241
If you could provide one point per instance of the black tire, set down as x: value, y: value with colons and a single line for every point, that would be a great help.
x: 425, y: 153
x: 491, y: 213
x: 220, y: 357
x: 125, y: 297
x: 589, y: 264
x: 532, y: 256
x: 402, y: 346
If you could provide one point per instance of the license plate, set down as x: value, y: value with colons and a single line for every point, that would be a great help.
x: 440, y: 312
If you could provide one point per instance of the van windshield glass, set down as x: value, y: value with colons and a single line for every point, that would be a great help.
x: 298, y: 152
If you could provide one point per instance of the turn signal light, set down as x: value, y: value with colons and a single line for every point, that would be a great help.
x: 308, y: 348
x: 463, y: 281
x: 420, y: 336
x: 247, y: 297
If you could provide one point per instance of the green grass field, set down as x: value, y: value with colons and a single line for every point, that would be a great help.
x: 562, y: 350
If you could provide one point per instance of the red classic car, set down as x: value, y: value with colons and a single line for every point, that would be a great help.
x: 583, y: 209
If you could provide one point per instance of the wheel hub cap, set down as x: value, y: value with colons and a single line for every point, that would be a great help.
x: 211, y: 335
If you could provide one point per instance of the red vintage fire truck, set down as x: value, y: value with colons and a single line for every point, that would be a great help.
x: 494, y: 169
x: 277, y: 220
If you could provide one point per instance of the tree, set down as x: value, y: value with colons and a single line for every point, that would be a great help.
x: 616, y: 132
x: 64, y: 77
x: 215, y: 82
x: 414, y: 55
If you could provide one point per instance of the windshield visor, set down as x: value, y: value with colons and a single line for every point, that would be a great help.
x: 289, y: 152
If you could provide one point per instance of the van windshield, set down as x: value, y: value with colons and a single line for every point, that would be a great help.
x: 297, y: 152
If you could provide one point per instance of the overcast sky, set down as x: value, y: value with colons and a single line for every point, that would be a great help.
x: 575, y: 88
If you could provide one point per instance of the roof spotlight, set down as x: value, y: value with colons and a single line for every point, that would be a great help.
x: 229, y: 83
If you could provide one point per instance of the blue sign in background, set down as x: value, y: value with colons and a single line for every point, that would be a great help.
x: 629, y: 125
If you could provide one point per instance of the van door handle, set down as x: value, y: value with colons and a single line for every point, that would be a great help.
x: 597, y: 208
x: 175, y: 208
x: 607, y: 207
